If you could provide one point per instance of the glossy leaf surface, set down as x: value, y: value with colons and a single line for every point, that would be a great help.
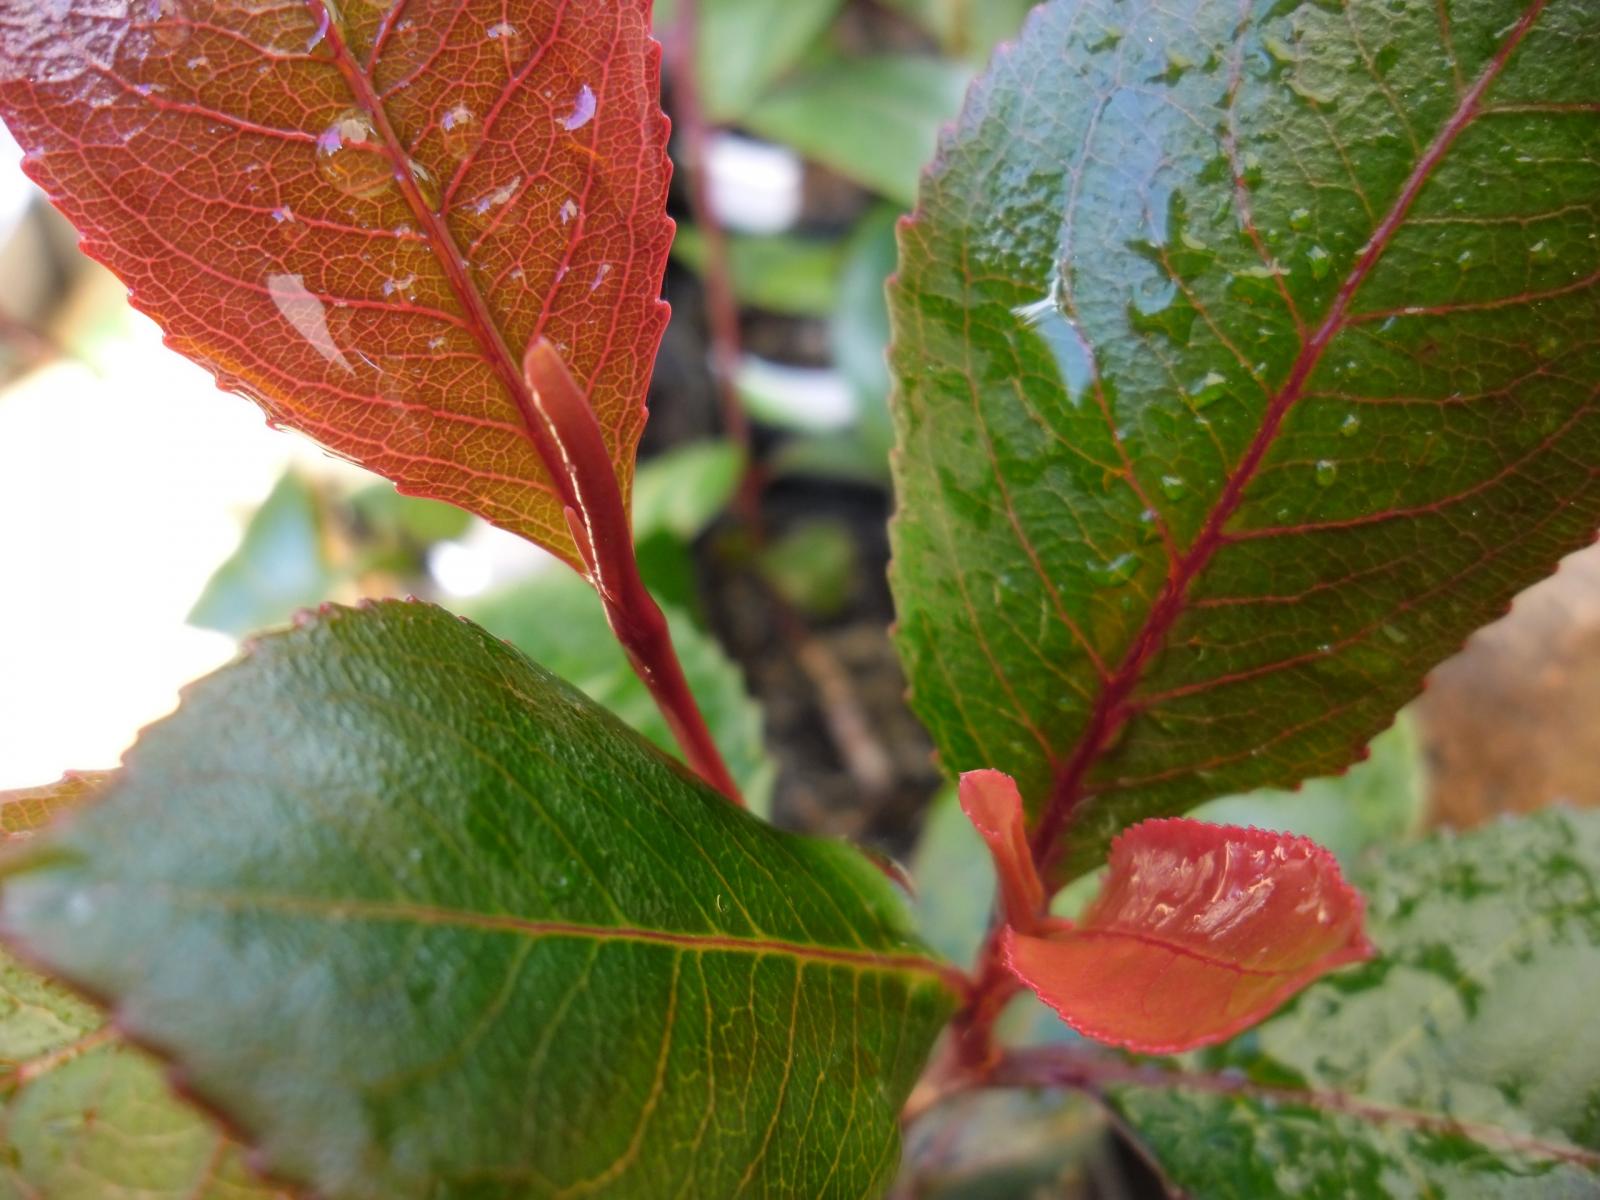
x: 360, y: 216
x: 462, y: 934
x: 1246, y: 363
x: 1198, y: 932
x: 1462, y: 1063
x: 84, y: 1116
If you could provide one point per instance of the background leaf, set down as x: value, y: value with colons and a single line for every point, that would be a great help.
x: 282, y: 564
x: 873, y: 120
x: 84, y: 1116
x: 361, y: 221
x: 554, y: 620
x: 1242, y: 388
x: 745, y: 45
x: 460, y: 933
x: 795, y: 276
x: 1463, y: 1062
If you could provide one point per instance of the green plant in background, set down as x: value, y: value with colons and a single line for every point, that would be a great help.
x: 1244, y: 362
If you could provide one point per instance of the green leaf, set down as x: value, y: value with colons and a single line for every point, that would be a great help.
x: 955, y: 881
x: 683, y: 490
x: 84, y: 1116
x: 744, y: 45
x: 813, y: 567
x: 1244, y: 367
x: 860, y: 327
x: 1463, y: 1063
x: 1377, y: 804
x: 873, y: 120
x: 971, y: 28
x: 422, y: 921
x: 795, y: 276
x: 554, y: 619
x: 393, y: 517
x: 282, y: 564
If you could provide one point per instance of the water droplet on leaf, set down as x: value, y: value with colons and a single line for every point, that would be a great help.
x: 1300, y: 219
x: 1327, y: 472
x: 1351, y: 425
x: 1115, y: 571
x: 350, y: 158
x: 1207, y: 390
x: 461, y: 131
x: 583, y: 109
x: 1174, y: 486
x: 1321, y: 262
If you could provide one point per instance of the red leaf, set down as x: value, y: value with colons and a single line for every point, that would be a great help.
x: 361, y: 221
x: 994, y: 806
x: 1199, y: 932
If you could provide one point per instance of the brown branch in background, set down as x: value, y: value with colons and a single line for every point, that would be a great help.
x: 722, y: 305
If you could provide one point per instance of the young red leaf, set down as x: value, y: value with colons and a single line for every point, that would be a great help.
x: 1199, y: 932
x: 994, y: 806
x: 360, y: 214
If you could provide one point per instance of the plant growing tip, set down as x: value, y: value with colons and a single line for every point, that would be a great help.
x: 597, y: 515
x: 994, y: 806
x: 1199, y: 932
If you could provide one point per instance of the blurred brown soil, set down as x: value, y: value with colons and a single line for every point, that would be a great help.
x: 1512, y: 723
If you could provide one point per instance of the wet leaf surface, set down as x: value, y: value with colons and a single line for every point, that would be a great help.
x: 360, y: 214
x: 1463, y: 1062
x: 1244, y: 367
x: 463, y: 934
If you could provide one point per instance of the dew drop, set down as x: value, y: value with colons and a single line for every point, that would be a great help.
x: 1174, y: 486
x: 506, y: 35
x: 461, y: 131
x: 501, y: 195
x: 600, y: 276
x: 1114, y: 571
x: 1542, y: 250
x: 1300, y: 219
x: 349, y: 157
x: 583, y: 109
x: 405, y: 286
x: 427, y: 185
x: 169, y: 24
x: 283, y: 215
x: 1350, y: 426
x: 1207, y: 390
x: 1465, y: 260
x: 1395, y: 634
x: 1321, y: 262
x: 568, y: 211
x: 1327, y: 472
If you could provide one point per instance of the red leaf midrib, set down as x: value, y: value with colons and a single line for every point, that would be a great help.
x: 1112, y: 709
x: 481, y: 322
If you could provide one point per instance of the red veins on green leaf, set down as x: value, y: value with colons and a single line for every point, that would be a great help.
x: 359, y: 215
x: 1199, y: 932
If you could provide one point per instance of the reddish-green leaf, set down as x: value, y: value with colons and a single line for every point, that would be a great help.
x: 1247, y: 361
x: 1199, y: 932
x: 361, y: 214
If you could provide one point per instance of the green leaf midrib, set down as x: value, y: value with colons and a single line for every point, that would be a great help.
x: 404, y: 912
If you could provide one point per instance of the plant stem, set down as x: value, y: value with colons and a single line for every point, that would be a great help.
x: 722, y: 305
x: 603, y: 533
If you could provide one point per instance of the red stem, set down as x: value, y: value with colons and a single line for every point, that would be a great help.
x: 599, y: 522
x: 722, y: 305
